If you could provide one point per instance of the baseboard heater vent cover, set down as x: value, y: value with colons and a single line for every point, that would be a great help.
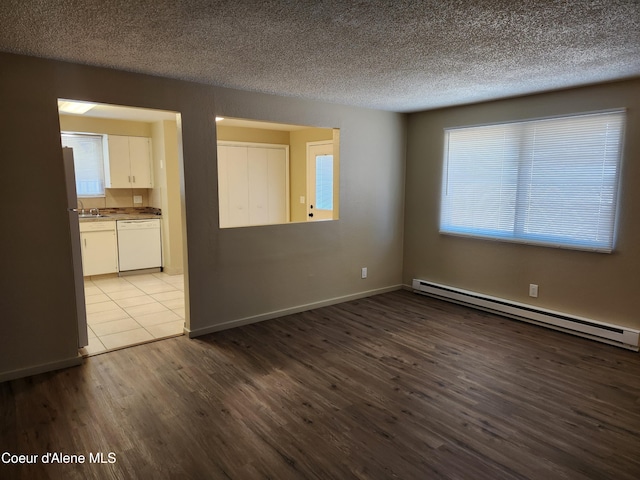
x: 604, y: 332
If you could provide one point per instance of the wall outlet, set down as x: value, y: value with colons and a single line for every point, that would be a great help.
x: 137, y: 199
x: 364, y: 272
x: 301, y: 198
x: 533, y: 290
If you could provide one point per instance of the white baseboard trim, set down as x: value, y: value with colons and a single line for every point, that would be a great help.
x: 604, y: 332
x: 287, y: 311
x: 42, y: 368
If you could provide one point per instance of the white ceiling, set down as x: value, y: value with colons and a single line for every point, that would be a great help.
x: 400, y: 55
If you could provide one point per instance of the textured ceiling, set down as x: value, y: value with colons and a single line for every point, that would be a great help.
x: 394, y: 55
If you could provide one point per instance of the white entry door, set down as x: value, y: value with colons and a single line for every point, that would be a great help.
x: 320, y: 181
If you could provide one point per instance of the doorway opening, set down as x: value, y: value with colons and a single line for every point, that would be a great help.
x: 124, y: 192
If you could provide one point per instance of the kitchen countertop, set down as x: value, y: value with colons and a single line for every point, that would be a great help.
x: 120, y: 216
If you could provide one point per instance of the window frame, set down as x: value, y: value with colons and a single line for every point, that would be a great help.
x: 516, y: 234
x: 103, y: 193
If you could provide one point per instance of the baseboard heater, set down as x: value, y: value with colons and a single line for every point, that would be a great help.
x: 604, y: 332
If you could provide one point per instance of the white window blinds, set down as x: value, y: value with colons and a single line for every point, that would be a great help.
x: 88, y: 163
x: 552, y: 181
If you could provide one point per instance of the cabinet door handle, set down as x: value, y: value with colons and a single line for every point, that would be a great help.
x: 134, y: 179
x: 85, y: 243
x: 129, y: 179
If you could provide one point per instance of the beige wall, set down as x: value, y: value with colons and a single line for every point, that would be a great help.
x: 157, y: 195
x: 253, y: 135
x: 166, y: 193
x: 114, y: 197
x: 335, y: 135
x: 599, y: 286
x: 78, y: 123
x: 233, y: 275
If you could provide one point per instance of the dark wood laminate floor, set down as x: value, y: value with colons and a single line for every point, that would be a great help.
x: 396, y: 386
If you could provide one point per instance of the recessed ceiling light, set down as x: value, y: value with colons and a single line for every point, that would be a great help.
x: 78, y: 108
x: 218, y: 119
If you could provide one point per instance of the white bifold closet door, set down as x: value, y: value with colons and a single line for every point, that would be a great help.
x: 252, y: 185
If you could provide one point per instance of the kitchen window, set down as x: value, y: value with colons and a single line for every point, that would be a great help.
x: 550, y: 181
x: 88, y: 163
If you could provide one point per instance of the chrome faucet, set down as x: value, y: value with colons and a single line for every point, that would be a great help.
x: 91, y: 210
x: 81, y: 206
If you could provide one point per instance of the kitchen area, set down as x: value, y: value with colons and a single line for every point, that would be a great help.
x: 127, y: 186
x: 116, y: 241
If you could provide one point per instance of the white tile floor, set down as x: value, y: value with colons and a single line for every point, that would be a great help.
x: 124, y: 311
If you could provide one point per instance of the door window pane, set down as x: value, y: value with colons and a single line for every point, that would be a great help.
x: 324, y: 182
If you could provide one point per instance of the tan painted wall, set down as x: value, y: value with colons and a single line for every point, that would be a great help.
x: 78, y: 123
x: 114, y: 197
x: 298, y: 167
x: 157, y: 195
x: 232, y: 275
x: 166, y: 193
x: 594, y: 285
x: 335, y: 135
x: 254, y: 135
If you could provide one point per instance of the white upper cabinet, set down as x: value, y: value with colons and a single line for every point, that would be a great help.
x: 128, y: 162
x: 141, y: 162
x: 117, y: 162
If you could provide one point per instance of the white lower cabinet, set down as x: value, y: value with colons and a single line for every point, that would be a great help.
x: 99, y: 244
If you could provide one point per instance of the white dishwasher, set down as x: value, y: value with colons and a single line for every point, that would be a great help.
x: 139, y: 244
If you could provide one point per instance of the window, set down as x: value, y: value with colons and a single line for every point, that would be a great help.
x: 324, y: 182
x: 88, y: 164
x: 551, y: 181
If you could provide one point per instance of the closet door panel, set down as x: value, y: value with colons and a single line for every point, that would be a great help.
x: 223, y: 186
x: 277, y: 185
x: 238, y: 185
x: 257, y: 161
x: 252, y: 185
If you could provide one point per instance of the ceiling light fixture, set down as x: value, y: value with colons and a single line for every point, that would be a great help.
x: 78, y: 108
x: 219, y: 119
